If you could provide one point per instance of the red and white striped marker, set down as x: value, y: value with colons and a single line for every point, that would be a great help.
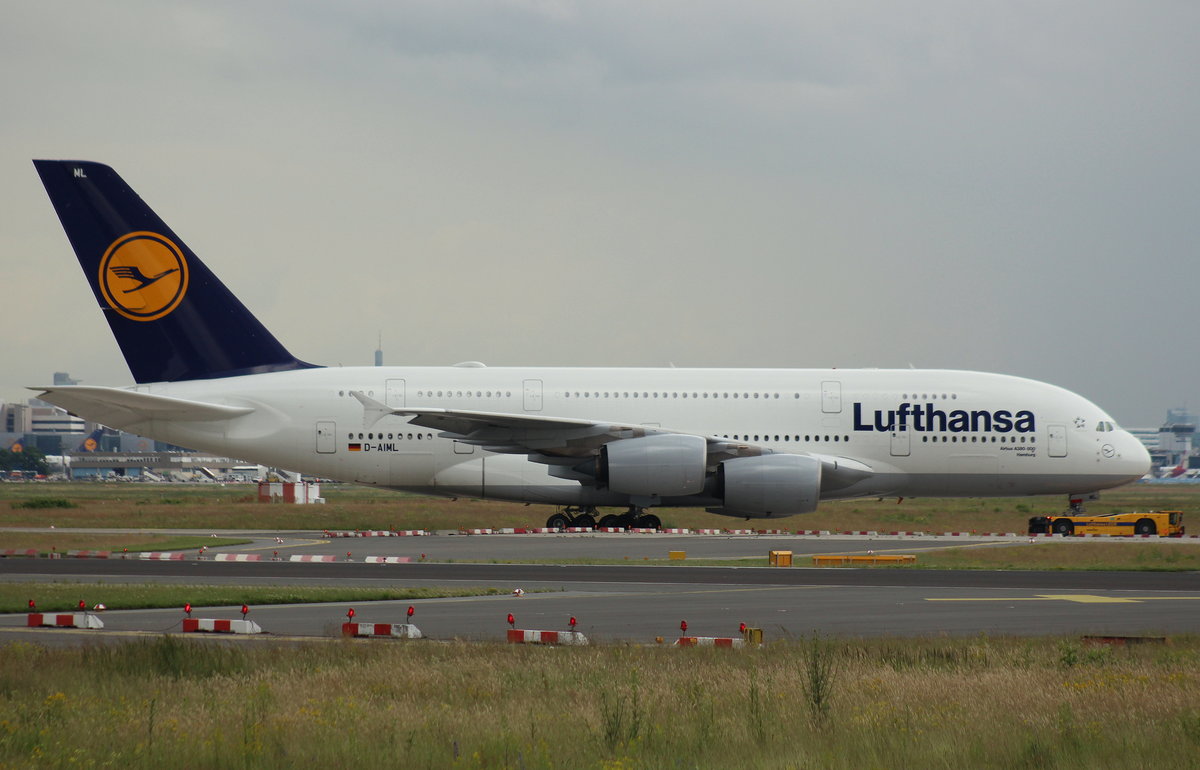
x: 213, y: 625
x: 69, y: 620
x: 312, y: 557
x: 708, y: 641
x: 238, y: 557
x: 387, y: 559
x: 394, y: 630
x: 566, y: 638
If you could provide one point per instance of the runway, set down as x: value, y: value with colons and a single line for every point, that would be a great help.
x: 635, y: 603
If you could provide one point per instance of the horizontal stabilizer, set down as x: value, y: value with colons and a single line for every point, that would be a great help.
x: 117, y: 407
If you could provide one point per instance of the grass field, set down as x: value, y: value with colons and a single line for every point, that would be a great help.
x: 61, y: 596
x: 951, y: 703
x: 65, y: 540
x: 210, y: 506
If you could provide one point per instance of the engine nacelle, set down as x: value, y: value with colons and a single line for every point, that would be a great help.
x: 769, y: 485
x: 667, y: 465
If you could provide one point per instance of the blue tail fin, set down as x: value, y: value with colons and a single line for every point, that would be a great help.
x: 172, y: 318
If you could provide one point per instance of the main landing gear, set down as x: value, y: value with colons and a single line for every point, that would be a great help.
x: 573, y: 516
x: 585, y: 516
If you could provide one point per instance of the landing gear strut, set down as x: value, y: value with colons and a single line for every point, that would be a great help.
x: 573, y: 516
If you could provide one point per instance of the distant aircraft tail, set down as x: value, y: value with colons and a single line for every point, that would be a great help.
x: 92, y: 442
x: 173, y: 318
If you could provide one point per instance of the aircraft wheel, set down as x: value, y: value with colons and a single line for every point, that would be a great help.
x: 610, y: 520
x: 1064, y: 528
x: 649, y: 521
x: 1145, y: 527
x: 587, y: 521
x: 558, y: 521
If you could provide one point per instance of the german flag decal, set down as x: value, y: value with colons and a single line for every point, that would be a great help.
x: 355, y: 447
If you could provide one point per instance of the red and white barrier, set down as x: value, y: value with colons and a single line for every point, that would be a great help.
x: 387, y: 559
x: 566, y: 638
x: 191, y: 625
x: 312, y: 557
x: 395, y: 630
x: 709, y: 641
x: 474, y: 532
x: 674, y: 531
x: 161, y: 555
x: 289, y: 492
x: 10, y: 552
x: 772, y: 532
x: 69, y: 620
x: 238, y: 557
x: 88, y: 554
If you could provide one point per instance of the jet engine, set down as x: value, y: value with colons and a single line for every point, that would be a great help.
x: 667, y: 465
x: 769, y: 485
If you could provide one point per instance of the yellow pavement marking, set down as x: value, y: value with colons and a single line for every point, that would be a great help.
x: 910, y: 549
x: 280, y: 546
x: 1079, y: 598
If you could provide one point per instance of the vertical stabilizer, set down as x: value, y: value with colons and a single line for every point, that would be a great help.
x: 173, y: 319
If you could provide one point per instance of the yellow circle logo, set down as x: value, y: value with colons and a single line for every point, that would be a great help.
x: 89, y: 445
x: 143, y: 276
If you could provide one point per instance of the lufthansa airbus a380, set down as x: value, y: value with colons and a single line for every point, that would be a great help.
x: 752, y: 443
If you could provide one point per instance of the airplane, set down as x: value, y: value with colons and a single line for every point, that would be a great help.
x: 746, y: 443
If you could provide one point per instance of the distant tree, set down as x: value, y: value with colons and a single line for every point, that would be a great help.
x: 28, y: 459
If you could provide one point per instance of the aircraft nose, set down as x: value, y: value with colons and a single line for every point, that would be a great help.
x: 1134, y: 457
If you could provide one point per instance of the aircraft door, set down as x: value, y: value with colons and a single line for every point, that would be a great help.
x: 394, y: 393
x: 900, y: 442
x: 1056, y: 440
x: 831, y: 397
x: 533, y: 395
x: 326, y: 437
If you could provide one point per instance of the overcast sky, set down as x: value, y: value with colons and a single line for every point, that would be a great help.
x: 1004, y: 186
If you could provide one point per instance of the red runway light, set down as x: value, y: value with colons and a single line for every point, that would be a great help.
x: 571, y: 622
x: 245, y: 610
x: 188, y: 609
x: 410, y: 611
x: 32, y: 606
x: 683, y: 626
x: 350, y: 613
x: 511, y: 620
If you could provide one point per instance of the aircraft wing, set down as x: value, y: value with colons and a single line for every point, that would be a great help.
x: 567, y: 441
x: 117, y: 407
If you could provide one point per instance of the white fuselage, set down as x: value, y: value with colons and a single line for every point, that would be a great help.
x: 920, y: 432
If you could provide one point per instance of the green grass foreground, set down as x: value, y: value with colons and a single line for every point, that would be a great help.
x: 64, y: 540
x: 61, y: 596
x: 234, y: 506
x: 1091, y: 555
x: 979, y: 702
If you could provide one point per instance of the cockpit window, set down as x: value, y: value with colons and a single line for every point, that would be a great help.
x: 1105, y: 426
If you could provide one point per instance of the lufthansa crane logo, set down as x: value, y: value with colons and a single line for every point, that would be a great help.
x: 143, y: 276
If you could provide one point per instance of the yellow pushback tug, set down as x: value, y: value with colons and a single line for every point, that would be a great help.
x: 1165, y: 523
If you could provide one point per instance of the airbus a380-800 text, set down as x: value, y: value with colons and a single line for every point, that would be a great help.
x: 751, y: 443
